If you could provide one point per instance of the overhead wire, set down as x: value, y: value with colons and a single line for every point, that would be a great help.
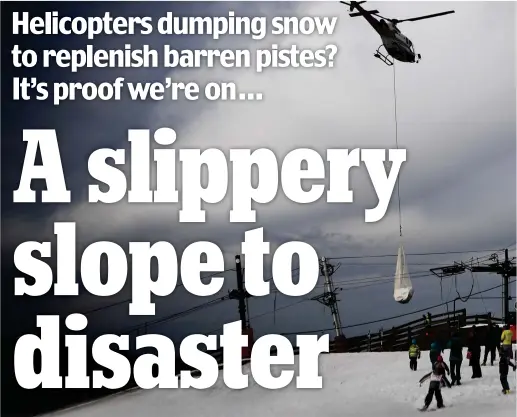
x: 441, y: 297
x: 179, y: 285
x: 482, y: 299
x: 374, y: 281
x: 385, y: 319
x: 178, y: 314
x: 371, y: 322
x: 267, y: 312
x: 486, y: 257
x: 471, y: 288
x: 388, y: 278
x: 446, y: 303
x: 383, y: 278
x: 416, y: 254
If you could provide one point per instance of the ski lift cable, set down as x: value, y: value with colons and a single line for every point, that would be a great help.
x: 471, y: 288
x: 388, y: 281
x: 101, y: 308
x: 444, y: 303
x: 385, y: 280
x: 265, y: 313
x: 376, y: 280
x: 482, y: 299
x: 416, y: 254
x: 441, y: 297
x: 359, y: 324
x: 224, y: 298
x: 179, y: 314
x: 218, y: 300
x: 380, y: 279
x: 180, y: 284
x: 389, y: 318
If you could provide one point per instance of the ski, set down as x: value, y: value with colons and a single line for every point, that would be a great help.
x: 432, y: 409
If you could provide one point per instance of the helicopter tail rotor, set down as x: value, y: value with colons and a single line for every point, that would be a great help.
x: 353, y: 4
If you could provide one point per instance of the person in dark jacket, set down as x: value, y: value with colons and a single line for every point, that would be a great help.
x: 474, y: 350
x: 455, y: 358
x: 434, y: 352
x: 491, y: 343
x: 504, y: 363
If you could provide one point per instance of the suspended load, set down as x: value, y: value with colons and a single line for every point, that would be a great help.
x: 403, y: 291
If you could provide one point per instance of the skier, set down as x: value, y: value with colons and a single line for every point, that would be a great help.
x: 455, y: 358
x: 504, y: 362
x: 506, y: 341
x: 474, y: 354
x: 436, y: 376
x: 414, y: 355
x: 491, y: 342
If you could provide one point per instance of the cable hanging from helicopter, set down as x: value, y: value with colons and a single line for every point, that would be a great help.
x: 403, y: 288
x: 400, y: 48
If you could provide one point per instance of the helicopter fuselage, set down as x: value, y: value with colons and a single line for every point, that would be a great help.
x: 397, y: 45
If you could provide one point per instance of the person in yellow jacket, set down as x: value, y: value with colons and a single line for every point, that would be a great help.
x: 506, y: 342
x: 414, y: 355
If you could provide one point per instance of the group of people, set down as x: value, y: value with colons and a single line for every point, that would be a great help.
x: 494, y: 341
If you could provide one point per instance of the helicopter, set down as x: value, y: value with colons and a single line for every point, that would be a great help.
x: 397, y: 45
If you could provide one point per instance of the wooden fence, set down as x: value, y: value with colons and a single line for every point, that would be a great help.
x: 398, y: 338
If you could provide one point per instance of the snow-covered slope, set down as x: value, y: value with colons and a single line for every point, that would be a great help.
x: 354, y: 384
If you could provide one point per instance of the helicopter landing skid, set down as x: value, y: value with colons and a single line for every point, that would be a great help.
x: 383, y: 57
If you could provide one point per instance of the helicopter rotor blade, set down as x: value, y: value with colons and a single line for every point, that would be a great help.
x: 429, y: 16
x: 349, y: 4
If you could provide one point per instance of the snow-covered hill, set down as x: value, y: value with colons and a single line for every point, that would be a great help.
x: 354, y: 384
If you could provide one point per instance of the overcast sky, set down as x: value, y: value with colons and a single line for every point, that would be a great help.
x: 456, y: 117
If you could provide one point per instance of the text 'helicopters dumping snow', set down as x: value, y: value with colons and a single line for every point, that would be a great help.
x: 396, y: 44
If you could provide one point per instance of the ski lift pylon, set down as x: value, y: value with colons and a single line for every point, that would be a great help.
x: 403, y: 289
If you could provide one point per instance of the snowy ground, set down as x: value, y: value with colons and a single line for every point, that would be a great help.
x: 354, y: 384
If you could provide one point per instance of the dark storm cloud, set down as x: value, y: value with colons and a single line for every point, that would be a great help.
x: 459, y: 131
